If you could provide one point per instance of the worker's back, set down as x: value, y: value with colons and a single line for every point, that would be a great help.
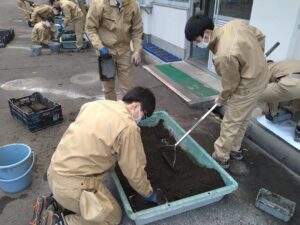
x: 89, y: 145
x: 245, y: 43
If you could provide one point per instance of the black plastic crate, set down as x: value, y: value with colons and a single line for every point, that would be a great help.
x: 35, y: 111
x: 6, y: 35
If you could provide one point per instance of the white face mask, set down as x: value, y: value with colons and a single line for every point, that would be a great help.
x: 139, y: 118
x: 48, y: 24
x: 203, y: 44
x: 55, y: 11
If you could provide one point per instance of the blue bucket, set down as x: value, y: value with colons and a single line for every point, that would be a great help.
x: 54, y: 47
x: 15, y: 159
x: 36, y: 50
x: 19, y: 183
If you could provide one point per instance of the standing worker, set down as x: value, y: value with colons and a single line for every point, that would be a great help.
x: 26, y: 10
x: 284, y: 86
x: 104, y: 132
x: 42, y: 13
x: 41, y: 32
x: 239, y: 59
x: 111, y: 25
x: 71, y: 13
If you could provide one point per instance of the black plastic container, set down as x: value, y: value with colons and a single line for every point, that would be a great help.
x: 35, y: 111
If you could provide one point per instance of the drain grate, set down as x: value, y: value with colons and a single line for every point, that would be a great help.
x: 160, y: 53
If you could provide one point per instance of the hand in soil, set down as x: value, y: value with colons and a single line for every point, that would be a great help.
x: 157, y: 197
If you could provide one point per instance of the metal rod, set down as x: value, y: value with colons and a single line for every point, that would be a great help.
x: 272, y: 49
x: 196, y: 124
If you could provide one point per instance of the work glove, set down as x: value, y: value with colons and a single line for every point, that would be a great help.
x: 60, y: 28
x: 104, y: 52
x: 218, y: 101
x: 156, y: 197
x: 136, y: 58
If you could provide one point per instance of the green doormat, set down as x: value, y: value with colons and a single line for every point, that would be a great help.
x: 188, y: 83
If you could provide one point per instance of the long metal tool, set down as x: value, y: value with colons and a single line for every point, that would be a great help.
x: 272, y: 49
x: 167, y: 149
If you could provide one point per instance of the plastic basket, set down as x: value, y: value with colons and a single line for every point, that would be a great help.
x: 35, y: 119
x: 274, y: 204
x: 172, y: 208
x: 68, y: 41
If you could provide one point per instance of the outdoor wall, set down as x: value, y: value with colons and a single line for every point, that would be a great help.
x: 279, y: 20
x: 166, y: 25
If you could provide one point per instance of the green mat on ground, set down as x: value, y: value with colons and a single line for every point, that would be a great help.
x: 188, y: 83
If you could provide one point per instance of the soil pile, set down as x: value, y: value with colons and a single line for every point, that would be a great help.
x: 188, y: 180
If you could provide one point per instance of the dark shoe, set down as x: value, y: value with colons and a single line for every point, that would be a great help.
x: 41, y: 204
x: 79, y: 50
x: 30, y: 24
x: 297, y: 134
x: 279, y: 117
x: 53, y: 216
x: 223, y: 164
x: 236, y: 155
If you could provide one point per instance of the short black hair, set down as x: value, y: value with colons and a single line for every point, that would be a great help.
x: 196, y: 26
x: 142, y: 95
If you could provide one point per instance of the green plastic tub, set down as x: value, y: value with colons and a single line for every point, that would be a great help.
x: 274, y: 204
x: 186, y: 204
x: 68, y: 41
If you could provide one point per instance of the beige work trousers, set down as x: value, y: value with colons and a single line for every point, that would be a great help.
x: 235, y: 121
x: 287, y: 88
x: 24, y: 9
x: 123, y: 74
x: 79, y: 27
x: 88, y: 198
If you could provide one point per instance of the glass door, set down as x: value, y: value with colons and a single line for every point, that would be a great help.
x: 199, y: 56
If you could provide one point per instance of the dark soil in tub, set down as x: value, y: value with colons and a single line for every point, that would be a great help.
x: 188, y: 180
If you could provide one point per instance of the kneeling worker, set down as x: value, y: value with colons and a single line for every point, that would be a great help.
x: 41, y: 33
x: 284, y: 86
x: 104, y: 133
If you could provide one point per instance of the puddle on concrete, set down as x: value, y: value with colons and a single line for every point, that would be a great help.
x: 6, y: 199
x: 22, y: 84
x: 36, y: 85
x: 86, y: 78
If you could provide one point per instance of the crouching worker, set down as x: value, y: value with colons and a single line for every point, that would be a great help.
x: 104, y: 133
x: 284, y: 86
x: 41, y: 33
x: 72, y: 14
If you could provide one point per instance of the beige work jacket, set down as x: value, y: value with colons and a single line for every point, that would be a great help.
x: 41, y: 12
x: 70, y: 11
x: 239, y: 58
x: 283, y: 68
x: 114, y: 28
x: 102, y: 134
x: 41, y: 34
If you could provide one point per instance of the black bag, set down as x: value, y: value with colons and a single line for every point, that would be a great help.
x: 107, y: 68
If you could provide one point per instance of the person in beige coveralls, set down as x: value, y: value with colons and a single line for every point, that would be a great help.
x: 239, y: 59
x: 104, y: 132
x: 110, y: 26
x: 71, y: 13
x: 284, y: 86
x: 42, y: 13
x: 41, y: 33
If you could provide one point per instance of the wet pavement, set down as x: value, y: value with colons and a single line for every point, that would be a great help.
x: 71, y: 79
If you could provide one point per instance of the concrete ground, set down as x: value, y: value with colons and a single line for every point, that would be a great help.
x: 71, y: 79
